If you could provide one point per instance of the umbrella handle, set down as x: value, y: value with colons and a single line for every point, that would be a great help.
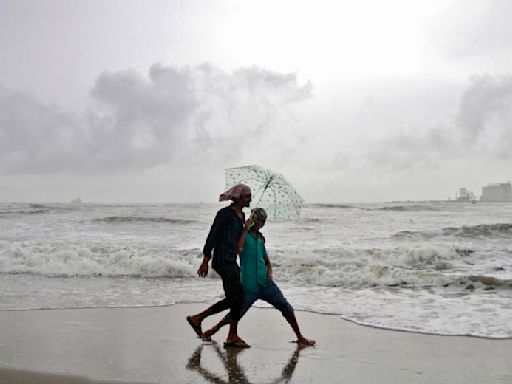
x: 264, y: 189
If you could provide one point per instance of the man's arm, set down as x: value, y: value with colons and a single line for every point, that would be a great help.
x: 203, y: 268
x: 211, y: 240
x: 212, y: 237
x: 241, y: 240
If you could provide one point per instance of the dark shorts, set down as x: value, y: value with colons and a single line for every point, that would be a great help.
x: 230, y: 275
x: 269, y: 293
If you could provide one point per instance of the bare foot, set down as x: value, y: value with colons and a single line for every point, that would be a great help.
x: 212, y: 331
x: 207, y: 336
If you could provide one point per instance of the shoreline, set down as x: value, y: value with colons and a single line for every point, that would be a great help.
x: 205, y: 304
x: 156, y: 345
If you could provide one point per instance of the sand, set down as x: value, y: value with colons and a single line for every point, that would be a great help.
x: 156, y: 345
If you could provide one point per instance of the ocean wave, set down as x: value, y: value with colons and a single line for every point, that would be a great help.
x: 23, y: 211
x: 97, y: 261
x: 310, y: 220
x: 491, y: 281
x: 499, y: 230
x: 405, y: 208
x: 141, y: 219
x: 33, y: 209
x: 424, y: 266
x: 419, y: 235
x: 402, y: 266
x: 481, y: 230
x: 338, y: 206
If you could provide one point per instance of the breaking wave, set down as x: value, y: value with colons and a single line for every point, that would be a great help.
x: 491, y: 281
x: 100, y: 261
x: 339, y: 206
x: 500, y: 230
x: 413, y: 267
x: 405, y: 208
x: 33, y: 209
x: 481, y: 230
x: 141, y: 219
x: 405, y: 266
x: 421, y: 266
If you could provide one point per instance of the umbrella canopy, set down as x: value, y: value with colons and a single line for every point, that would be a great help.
x: 270, y: 190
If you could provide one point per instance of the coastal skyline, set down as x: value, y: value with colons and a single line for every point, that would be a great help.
x: 150, y: 101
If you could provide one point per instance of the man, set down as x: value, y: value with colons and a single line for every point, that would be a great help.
x: 257, y: 279
x: 222, y: 238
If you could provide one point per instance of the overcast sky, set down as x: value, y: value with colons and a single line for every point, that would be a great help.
x: 149, y: 101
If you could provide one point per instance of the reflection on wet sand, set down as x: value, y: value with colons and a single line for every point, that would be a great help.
x: 235, y: 372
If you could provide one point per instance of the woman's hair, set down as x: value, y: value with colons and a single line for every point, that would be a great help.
x: 260, y: 214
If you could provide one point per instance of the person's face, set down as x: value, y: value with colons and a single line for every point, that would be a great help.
x: 245, y: 200
x: 258, y: 224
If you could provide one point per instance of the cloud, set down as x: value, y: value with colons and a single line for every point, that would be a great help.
x: 479, y: 130
x: 179, y: 115
x: 466, y: 29
x: 486, y: 111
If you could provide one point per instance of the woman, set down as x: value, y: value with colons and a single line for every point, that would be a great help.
x: 256, y: 276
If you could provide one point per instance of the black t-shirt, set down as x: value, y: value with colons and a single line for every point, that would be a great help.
x: 223, y: 236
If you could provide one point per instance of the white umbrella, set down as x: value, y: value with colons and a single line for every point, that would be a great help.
x: 270, y: 190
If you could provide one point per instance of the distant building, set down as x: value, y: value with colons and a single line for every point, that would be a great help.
x: 464, y: 195
x: 497, y: 192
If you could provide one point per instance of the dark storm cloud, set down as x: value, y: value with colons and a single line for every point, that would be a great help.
x: 173, y: 114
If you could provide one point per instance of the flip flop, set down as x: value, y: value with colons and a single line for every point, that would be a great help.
x: 197, y: 328
x: 236, y: 344
x: 301, y: 344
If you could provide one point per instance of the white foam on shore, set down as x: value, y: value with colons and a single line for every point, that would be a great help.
x: 447, y: 311
x: 79, y: 261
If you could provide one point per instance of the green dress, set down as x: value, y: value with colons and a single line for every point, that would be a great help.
x: 253, y: 271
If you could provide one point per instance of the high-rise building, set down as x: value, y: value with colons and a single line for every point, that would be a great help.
x: 497, y: 192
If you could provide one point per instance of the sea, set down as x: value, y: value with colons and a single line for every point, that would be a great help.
x: 432, y: 267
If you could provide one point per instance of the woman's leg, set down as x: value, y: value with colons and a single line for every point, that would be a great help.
x: 249, y: 299
x: 273, y: 295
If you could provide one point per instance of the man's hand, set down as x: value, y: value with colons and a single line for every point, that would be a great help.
x: 203, y: 268
x: 270, y: 276
x: 249, y: 222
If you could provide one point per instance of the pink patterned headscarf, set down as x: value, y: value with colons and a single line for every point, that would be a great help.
x: 235, y: 192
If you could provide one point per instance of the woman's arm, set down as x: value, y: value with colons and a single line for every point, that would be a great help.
x: 270, y: 272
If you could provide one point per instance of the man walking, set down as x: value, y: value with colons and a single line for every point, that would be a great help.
x: 222, y: 239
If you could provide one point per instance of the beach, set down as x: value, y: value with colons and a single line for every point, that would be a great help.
x: 156, y: 345
x: 392, y: 293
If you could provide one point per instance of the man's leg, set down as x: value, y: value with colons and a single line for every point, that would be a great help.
x: 227, y: 275
x: 273, y: 295
x: 196, y: 320
x: 249, y: 299
x: 234, y: 294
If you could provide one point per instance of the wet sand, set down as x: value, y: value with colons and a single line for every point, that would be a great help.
x: 156, y: 345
